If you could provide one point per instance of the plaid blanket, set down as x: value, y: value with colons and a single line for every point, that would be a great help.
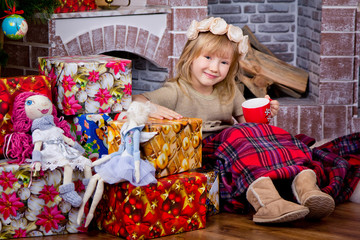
x: 245, y: 152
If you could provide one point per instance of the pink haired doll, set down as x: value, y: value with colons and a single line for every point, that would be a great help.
x: 50, y: 144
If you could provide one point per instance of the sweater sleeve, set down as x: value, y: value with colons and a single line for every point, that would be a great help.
x: 166, y: 96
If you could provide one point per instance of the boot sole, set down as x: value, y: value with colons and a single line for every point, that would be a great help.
x: 319, y: 206
x: 288, y: 217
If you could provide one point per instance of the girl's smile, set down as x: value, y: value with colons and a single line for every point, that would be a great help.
x: 208, y: 70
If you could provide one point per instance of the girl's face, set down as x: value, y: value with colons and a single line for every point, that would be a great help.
x: 208, y: 70
x: 37, y: 106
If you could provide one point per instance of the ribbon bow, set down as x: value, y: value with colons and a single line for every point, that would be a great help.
x: 12, y: 10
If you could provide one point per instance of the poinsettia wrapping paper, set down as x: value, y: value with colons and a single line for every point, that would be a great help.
x: 35, y: 210
x: 13, y: 86
x: 176, y: 148
x: 174, y: 205
x: 75, y: 6
x: 91, y: 131
x: 89, y: 84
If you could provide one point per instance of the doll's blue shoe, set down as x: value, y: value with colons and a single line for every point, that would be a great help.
x: 68, y: 193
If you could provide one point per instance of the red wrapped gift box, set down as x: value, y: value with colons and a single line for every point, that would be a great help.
x: 75, y: 6
x: 174, y: 205
x: 13, y: 86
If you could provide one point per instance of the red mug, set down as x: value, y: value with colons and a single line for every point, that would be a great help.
x: 257, y: 110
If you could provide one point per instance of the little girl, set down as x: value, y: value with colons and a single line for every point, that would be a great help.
x: 247, y: 155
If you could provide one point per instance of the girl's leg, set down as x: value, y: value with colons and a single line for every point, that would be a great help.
x: 89, y: 191
x: 96, y: 199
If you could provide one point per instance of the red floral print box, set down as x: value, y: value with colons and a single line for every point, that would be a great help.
x: 89, y: 84
x: 32, y: 207
x: 174, y: 205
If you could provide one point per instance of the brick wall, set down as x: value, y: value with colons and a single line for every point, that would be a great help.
x: 273, y: 22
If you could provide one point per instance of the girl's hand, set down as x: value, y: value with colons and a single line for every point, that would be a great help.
x: 164, y: 113
x: 274, y: 106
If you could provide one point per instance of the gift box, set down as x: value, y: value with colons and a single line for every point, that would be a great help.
x: 91, y: 131
x: 89, y: 84
x: 174, y: 205
x: 175, y: 148
x: 75, y: 6
x: 32, y: 207
x: 212, y: 191
x: 13, y: 86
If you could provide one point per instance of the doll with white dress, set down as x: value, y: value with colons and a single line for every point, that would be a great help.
x: 125, y: 164
x: 50, y: 144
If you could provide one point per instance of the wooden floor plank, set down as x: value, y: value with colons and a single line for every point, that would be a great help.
x: 343, y: 223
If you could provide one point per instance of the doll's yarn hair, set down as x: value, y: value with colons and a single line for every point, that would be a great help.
x: 19, y: 143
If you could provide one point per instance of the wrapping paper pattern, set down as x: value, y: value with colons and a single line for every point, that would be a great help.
x: 175, y: 204
x: 36, y: 209
x: 89, y: 84
x: 212, y: 190
x: 13, y: 86
x: 176, y: 148
x: 75, y: 6
x: 91, y: 132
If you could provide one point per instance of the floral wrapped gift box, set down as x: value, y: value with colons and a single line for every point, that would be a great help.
x: 174, y: 205
x: 89, y: 84
x: 31, y: 207
x: 176, y: 148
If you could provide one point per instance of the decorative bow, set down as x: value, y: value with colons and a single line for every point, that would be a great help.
x: 12, y: 10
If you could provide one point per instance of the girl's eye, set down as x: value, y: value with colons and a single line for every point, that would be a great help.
x: 29, y: 102
x: 225, y: 62
x: 207, y: 57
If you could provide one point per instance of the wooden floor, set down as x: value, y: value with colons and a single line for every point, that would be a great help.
x: 342, y: 224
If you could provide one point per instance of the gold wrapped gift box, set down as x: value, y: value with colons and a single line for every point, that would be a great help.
x: 175, y: 148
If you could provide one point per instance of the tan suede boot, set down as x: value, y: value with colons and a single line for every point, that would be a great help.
x: 309, y: 194
x: 269, y: 206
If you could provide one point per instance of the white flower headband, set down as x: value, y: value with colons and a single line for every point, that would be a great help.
x: 218, y: 26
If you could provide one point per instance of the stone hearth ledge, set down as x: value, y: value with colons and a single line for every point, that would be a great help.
x: 121, y: 11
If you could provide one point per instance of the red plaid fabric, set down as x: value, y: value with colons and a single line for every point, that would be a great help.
x: 340, y: 160
x: 245, y: 152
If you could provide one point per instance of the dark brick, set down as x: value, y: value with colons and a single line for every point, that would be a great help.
x: 257, y: 18
x: 271, y: 28
x: 225, y: 9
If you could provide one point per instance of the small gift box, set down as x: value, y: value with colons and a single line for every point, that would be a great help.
x: 89, y: 84
x: 175, y: 148
x: 91, y: 131
x: 174, y: 205
x: 75, y: 6
x: 32, y: 207
x: 13, y: 86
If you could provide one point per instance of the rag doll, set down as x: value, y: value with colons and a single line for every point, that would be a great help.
x: 125, y: 164
x: 50, y: 143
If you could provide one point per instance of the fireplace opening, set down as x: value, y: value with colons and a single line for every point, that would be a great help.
x: 146, y: 75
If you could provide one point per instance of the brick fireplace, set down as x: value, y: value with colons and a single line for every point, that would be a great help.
x: 326, y: 43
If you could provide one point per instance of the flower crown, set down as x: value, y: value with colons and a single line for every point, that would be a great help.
x: 218, y: 26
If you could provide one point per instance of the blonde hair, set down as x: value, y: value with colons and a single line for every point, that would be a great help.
x: 213, y: 44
